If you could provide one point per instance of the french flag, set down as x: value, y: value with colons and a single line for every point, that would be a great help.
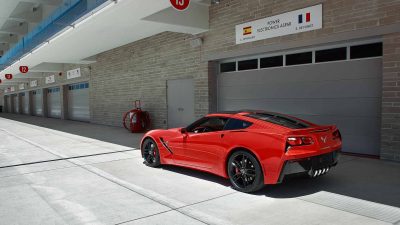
x: 308, y: 17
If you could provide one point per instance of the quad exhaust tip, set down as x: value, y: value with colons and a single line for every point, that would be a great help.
x: 319, y: 172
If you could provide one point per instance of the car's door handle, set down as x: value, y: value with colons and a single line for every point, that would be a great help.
x: 222, y: 135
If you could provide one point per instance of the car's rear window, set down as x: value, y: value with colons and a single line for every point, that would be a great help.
x: 279, y: 120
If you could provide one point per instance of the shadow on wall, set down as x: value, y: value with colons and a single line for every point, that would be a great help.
x: 115, y: 135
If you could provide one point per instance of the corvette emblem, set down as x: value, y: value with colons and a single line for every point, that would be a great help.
x: 323, y: 139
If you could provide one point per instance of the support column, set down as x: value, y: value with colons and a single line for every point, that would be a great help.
x: 390, y: 126
x: 5, y: 106
x: 20, y: 109
x: 30, y: 105
x: 64, y: 101
x: 12, y: 103
x: 44, y: 102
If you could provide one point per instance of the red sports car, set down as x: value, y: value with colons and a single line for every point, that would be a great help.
x: 251, y: 148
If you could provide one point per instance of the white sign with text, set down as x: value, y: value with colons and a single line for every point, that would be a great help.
x: 74, y: 73
x: 50, y: 79
x: 297, y: 21
x: 33, y: 83
x: 21, y: 86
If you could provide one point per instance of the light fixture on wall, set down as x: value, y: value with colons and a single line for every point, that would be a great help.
x: 215, y: 2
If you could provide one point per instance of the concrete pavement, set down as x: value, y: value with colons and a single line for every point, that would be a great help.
x: 65, y: 172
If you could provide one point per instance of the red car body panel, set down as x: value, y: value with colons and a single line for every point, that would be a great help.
x: 210, y: 151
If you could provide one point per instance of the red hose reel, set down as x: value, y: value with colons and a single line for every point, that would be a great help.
x: 136, y: 120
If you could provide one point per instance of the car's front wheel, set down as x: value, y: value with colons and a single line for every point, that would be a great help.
x: 245, y: 172
x: 151, y: 154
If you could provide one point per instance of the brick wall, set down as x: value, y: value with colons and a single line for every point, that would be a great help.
x: 390, y: 134
x: 338, y: 16
x: 140, y: 70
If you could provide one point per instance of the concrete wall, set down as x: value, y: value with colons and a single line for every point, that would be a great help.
x: 140, y: 71
x: 390, y: 136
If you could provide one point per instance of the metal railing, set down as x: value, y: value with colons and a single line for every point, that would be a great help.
x: 65, y: 15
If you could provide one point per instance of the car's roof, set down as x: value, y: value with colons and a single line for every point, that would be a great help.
x: 239, y: 112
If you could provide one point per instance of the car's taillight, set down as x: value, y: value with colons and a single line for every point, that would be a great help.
x: 336, y: 135
x: 296, y: 141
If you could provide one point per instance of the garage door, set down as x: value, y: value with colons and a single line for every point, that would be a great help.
x: 54, y: 102
x: 25, y: 103
x: 37, y: 102
x: 9, y: 108
x: 346, y: 93
x: 16, y: 103
x: 78, y: 102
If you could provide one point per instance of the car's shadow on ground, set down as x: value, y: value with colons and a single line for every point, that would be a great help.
x: 366, y: 179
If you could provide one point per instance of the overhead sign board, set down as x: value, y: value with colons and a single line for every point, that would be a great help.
x: 33, y: 83
x: 50, y: 79
x: 74, y: 73
x: 297, y: 21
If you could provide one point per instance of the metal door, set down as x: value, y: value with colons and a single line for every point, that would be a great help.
x: 25, y: 103
x: 346, y: 93
x: 54, y: 102
x: 37, y: 102
x: 78, y: 102
x: 16, y: 103
x: 180, y: 102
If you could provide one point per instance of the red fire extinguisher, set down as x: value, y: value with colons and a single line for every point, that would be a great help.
x: 136, y: 120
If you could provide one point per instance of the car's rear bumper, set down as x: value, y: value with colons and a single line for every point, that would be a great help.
x: 314, y: 165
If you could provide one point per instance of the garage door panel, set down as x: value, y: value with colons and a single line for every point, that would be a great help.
x: 37, y: 103
x: 54, y: 102
x: 337, y: 107
x: 325, y: 89
x: 78, y: 102
x: 347, y: 70
x: 347, y: 94
x: 361, y: 126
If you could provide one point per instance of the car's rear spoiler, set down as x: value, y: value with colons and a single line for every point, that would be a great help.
x: 317, y: 129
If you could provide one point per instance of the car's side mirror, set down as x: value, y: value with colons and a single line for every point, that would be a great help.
x: 183, y: 130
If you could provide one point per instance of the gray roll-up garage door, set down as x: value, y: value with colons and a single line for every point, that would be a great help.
x: 37, y: 102
x: 9, y: 99
x: 16, y: 103
x: 345, y: 93
x: 78, y: 102
x: 54, y: 102
x: 25, y: 103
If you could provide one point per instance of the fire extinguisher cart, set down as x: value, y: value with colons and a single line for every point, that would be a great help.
x: 136, y: 120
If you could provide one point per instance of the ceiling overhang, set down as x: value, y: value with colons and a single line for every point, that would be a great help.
x: 115, y: 25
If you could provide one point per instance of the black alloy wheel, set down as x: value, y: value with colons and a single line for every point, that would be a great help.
x: 151, y: 154
x: 245, y: 172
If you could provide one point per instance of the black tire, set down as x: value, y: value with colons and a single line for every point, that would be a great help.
x: 245, y: 172
x: 150, y: 153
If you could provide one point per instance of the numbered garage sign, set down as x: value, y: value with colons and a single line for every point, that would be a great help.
x: 180, y: 4
x: 23, y: 69
x: 8, y: 76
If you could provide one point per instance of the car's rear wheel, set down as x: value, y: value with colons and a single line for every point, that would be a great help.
x: 245, y: 172
x: 151, y: 155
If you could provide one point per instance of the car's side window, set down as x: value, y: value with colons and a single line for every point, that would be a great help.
x: 208, y: 124
x: 236, y: 124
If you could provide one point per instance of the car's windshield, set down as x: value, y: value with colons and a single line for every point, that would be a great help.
x: 279, y: 119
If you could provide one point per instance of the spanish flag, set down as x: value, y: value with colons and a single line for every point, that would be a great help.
x: 247, y: 30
